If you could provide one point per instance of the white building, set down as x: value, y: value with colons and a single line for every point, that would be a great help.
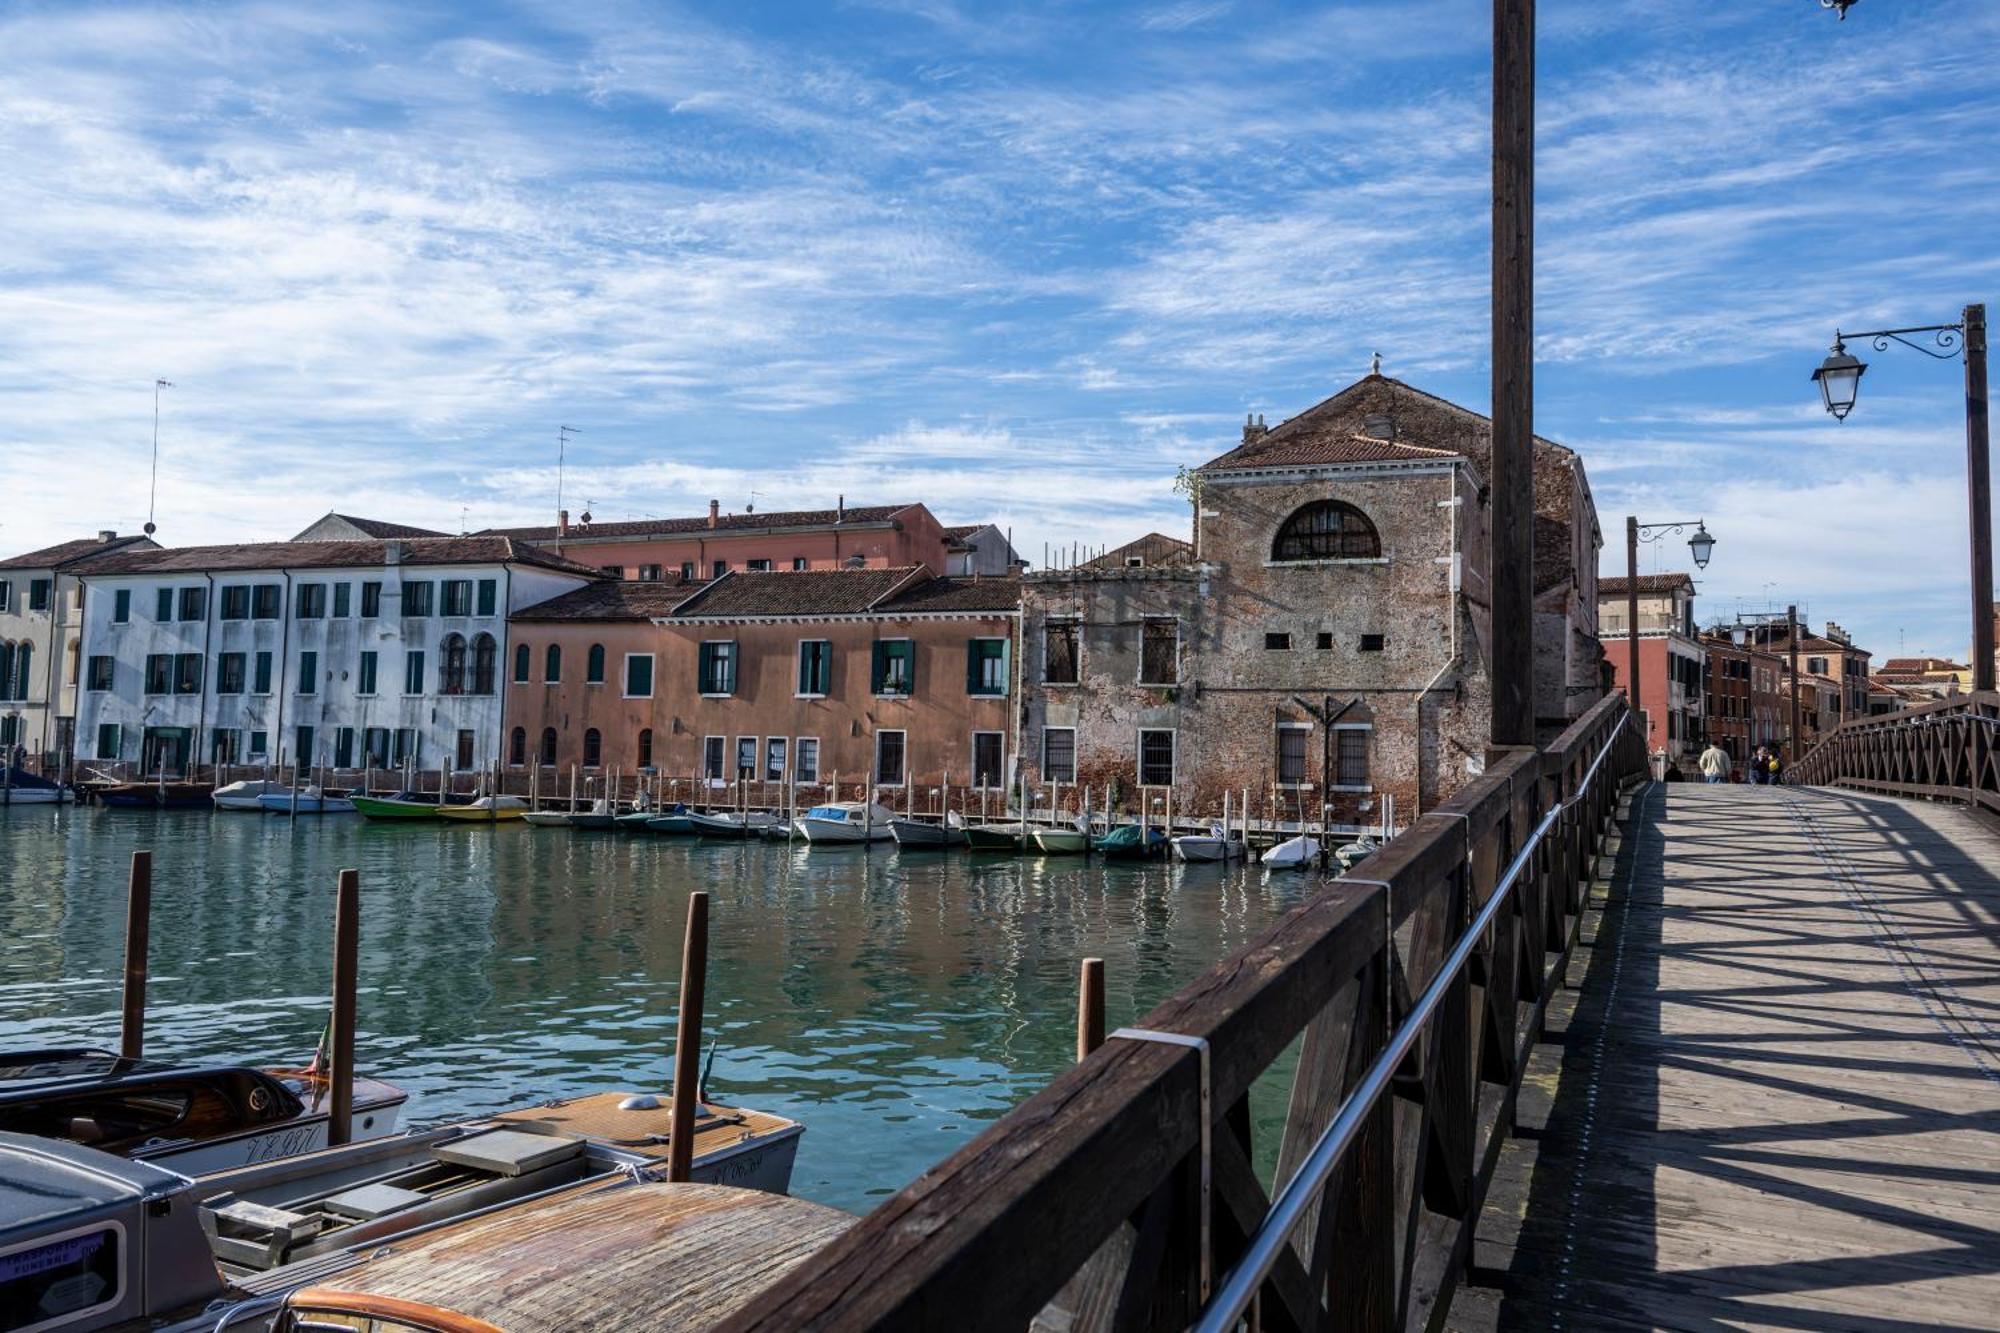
x: 40, y: 623
x: 342, y: 653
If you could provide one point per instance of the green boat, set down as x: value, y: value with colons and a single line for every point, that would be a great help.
x: 1131, y: 840
x: 403, y: 805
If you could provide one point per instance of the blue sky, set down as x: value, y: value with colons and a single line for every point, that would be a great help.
x: 1019, y: 262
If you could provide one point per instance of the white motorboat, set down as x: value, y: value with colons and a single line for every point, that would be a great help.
x: 306, y: 801
x: 20, y: 787
x: 1298, y: 853
x: 247, y: 795
x: 847, y: 822
x: 1348, y: 854
x: 1213, y: 845
x: 733, y: 823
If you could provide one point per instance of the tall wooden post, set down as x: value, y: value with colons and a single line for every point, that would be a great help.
x: 138, y: 942
x: 1979, y: 497
x: 346, y: 964
x: 1632, y: 625
x: 687, y: 1041
x: 1512, y: 568
x: 1794, y: 742
x: 1090, y: 1007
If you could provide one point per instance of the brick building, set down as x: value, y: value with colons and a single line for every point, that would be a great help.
x: 1339, y: 558
x: 1671, y: 658
x: 41, y: 631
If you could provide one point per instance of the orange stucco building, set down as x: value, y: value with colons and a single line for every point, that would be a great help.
x: 772, y: 678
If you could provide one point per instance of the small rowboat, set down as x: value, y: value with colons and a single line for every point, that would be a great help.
x: 548, y: 818
x: 922, y: 833
x: 675, y: 822
x: 402, y: 806
x: 733, y: 824
x: 486, y: 810
x: 1060, y: 841
x: 596, y: 819
x: 306, y: 801
x: 635, y: 821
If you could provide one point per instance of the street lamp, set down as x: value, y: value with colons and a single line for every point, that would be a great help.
x: 1701, y: 546
x: 1839, y: 380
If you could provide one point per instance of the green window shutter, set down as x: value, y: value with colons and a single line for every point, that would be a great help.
x: 488, y: 592
x: 703, y: 667
x: 910, y: 665
x: 880, y: 670
x: 735, y: 650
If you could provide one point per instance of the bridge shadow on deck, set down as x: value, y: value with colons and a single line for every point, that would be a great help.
x: 1773, y: 1099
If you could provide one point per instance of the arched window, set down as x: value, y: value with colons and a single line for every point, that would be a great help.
x: 451, y: 665
x: 549, y: 746
x: 483, y: 649
x: 24, y: 669
x: 521, y: 663
x: 593, y: 665
x: 552, y: 664
x: 517, y: 747
x: 1327, y: 530
x: 645, y: 747
x: 593, y: 748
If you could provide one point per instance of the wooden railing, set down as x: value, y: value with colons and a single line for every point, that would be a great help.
x: 1948, y: 750
x: 1123, y: 1194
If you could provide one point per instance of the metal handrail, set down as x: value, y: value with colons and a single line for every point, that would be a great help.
x: 1240, y: 1287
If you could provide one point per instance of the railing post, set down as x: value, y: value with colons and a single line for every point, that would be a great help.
x: 346, y: 962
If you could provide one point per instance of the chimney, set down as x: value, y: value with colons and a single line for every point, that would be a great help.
x: 1379, y: 426
x: 392, y: 553
x: 714, y: 512
x: 562, y: 523
x: 107, y: 535
x: 840, y: 510
x: 1253, y: 428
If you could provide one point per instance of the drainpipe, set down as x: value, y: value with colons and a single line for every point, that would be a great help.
x: 56, y: 653
x: 1454, y: 660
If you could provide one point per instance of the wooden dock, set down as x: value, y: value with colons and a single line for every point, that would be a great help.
x: 1774, y: 1100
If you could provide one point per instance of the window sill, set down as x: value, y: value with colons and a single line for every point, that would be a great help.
x: 708, y: 694
x: 635, y: 696
x: 809, y: 696
x: 1330, y: 560
x: 1337, y: 789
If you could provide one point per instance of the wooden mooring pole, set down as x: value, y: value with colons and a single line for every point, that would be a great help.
x: 1090, y: 1007
x: 1511, y: 519
x: 687, y: 1041
x: 346, y: 962
x: 138, y: 941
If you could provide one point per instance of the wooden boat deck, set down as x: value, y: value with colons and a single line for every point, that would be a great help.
x: 645, y: 1257
x: 645, y: 1132
x: 1775, y: 1103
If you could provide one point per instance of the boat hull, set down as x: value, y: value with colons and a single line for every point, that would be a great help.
x: 728, y: 826
x: 32, y: 796
x: 839, y: 833
x: 470, y: 814
x: 1060, y: 842
x: 673, y: 826
x: 1201, y: 848
x: 994, y: 838
x: 919, y: 833
x: 1293, y: 854
x: 375, y: 807
x: 305, y: 1134
x: 306, y: 805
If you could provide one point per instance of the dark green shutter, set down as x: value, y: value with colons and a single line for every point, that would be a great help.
x: 488, y: 590
x: 880, y: 668
x: 974, y: 659
x: 735, y: 651
x: 703, y: 666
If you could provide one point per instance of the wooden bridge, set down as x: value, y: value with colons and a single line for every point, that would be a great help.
x: 1577, y: 1051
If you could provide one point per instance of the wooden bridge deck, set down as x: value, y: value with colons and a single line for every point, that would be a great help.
x: 1773, y: 1102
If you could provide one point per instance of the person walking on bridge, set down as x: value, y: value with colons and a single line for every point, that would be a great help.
x: 1760, y: 760
x: 1714, y: 763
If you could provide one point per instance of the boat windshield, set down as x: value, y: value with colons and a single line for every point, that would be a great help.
x: 833, y: 812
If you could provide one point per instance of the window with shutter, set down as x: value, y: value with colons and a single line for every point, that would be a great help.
x: 986, y: 667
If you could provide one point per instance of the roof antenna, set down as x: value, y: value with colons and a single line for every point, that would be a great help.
x: 153, y: 489
x: 1375, y: 364
x: 562, y: 451
x: 750, y: 507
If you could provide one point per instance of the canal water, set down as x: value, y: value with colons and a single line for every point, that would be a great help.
x: 894, y: 1003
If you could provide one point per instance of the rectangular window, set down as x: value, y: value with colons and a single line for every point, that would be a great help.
x: 1059, y: 656
x: 38, y: 594
x: 889, y: 748
x: 1324, y: 640
x: 260, y: 743
x: 815, y: 668
x: 1059, y: 754
x: 687, y: 571
x: 800, y: 562
x: 409, y: 744
x: 366, y: 683
x: 986, y: 666
x: 718, y: 569
x: 1160, y: 652
x: 1292, y: 738
x: 1372, y: 643
x: 464, y: 756
x: 649, y: 573
x: 6, y: 595
x: 308, y: 672
x: 371, y: 599
x: 1278, y: 643
x: 159, y: 673
x: 746, y: 757
x: 989, y: 750
x: 343, y: 747
x: 416, y: 600
x: 163, y: 606
x: 1350, y: 757
x: 302, y: 752
x: 714, y: 753
x: 309, y: 601
x: 121, y: 607
x: 757, y: 566
x: 187, y: 673
x: 808, y: 751
x: 222, y: 745
x: 457, y: 597
x: 194, y: 604
x: 489, y: 596
x: 110, y: 738
x: 343, y: 600
x: 717, y: 666
x: 263, y: 677
x: 615, y: 571
x: 375, y: 747
x: 101, y: 669
x: 638, y: 675
x: 236, y: 601
x: 231, y: 670
x: 265, y: 601
x: 895, y: 668
x: 413, y: 671
x: 774, y: 759
x: 1156, y: 758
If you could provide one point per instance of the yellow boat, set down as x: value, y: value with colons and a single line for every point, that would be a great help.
x: 486, y: 810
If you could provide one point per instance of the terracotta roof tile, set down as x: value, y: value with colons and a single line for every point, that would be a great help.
x: 1155, y: 548
x: 84, y: 550
x: 960, y: 593
x: 473, y: 550
x: 656, y: 527
x: 1648, y: 583
x: 803, y: 592
x: 376, y: 527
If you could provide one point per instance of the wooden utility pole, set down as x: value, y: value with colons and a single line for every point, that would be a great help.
x: 138, y: 936
x: 687, y: 1041
x: 346, y: 973
x: 1792, y: 741
x: 1513, y: 464
x: 1979, y: 495
x: 1632, y: 624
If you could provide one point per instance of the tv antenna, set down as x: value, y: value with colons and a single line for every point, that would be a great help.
x: 562, y: 452
x: 153, y: 487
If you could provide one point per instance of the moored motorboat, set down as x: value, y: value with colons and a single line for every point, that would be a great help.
x: 20, y: 787
x: 1131, y: 842
x: 732, y: 823
x: 674, y: 821
x: 403, y: 805
x: 598, y: 818
x: 1060, y: 841
x: 549, y: 818
x: 305, y: 801
x: 246, y: 795
x: 842, y: 822
x: 924, y: 833
x: 995, y: 837
x: 486, y: 810
x: 1297, y: 853
x: 1213, y: 845
x: 1349, y: 854
x: 154, y: 795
